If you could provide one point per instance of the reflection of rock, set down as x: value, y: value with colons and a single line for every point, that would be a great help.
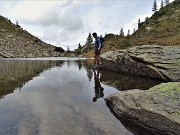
x: 15, y: 73
x: 152, y: 61
x: 125, y: 82
x: 157, y: 109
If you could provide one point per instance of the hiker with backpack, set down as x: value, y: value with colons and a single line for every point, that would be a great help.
x: 98, y: 45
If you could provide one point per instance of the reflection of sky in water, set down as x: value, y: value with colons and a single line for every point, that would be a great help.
x: 58, y: 101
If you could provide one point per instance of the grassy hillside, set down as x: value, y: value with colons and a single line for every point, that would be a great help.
x: 162, y: 28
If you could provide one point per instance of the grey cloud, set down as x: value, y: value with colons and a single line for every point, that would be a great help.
x: 47, y: 19
x: 71, y: 23
x: 64, y: 18
x: 57, y: 36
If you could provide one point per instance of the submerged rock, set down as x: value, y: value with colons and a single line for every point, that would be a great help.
x: 152, y: 61
x: 157, y: 109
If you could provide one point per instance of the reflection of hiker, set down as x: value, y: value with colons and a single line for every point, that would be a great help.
x: 98, y: 89
x: 97, y: 51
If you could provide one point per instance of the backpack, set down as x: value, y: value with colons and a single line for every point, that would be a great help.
x: 102, y: 42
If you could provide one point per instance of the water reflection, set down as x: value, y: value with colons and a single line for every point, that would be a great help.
x: 57, y: 97
x: 125, y: 82
x: 98, y: 88
x: 16, y: 73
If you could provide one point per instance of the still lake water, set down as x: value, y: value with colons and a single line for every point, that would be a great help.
x: 60, y: 96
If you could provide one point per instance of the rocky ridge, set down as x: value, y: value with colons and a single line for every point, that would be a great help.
x: 16, y: 42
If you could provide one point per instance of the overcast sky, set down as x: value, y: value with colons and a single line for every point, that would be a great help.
x: 67, y: 23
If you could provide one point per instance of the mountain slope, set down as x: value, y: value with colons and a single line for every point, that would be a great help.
x: 16, y: 42
x: 162, y: 28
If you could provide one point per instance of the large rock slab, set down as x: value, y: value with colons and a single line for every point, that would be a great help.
x: 152, y: 61
x: 157, y: 109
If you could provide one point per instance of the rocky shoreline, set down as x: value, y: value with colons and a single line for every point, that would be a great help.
x: 151, y: 61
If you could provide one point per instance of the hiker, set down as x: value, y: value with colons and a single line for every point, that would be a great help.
x: 98, y: 89
x: 97, y: 51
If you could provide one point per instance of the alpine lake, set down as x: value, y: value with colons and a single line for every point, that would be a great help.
x: 62, y: 96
